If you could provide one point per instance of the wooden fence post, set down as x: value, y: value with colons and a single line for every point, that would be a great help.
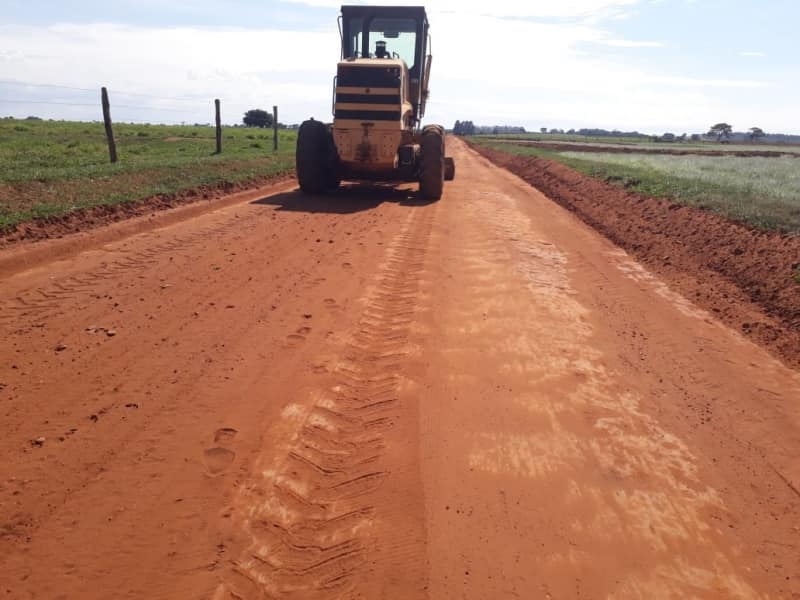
x: 219, y: 126
x: 112, y: 146
x: 275, y: 128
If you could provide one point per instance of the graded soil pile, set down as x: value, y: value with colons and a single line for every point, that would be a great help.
x: 82, y: 219
x: 747, y: 277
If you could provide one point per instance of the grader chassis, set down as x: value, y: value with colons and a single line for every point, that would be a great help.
x: 380, y: 92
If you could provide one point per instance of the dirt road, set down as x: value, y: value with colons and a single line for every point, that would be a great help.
x: 368, y: 397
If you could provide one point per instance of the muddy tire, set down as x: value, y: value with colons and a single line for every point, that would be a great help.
x: 431, y: 177
x: 449, y: 168
x: 315, y: 158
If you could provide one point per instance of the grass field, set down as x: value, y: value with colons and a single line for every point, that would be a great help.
x: 49, y: 168
x: 764, y: 192
x: 635, y: 143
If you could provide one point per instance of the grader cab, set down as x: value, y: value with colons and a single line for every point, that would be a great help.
x: 380, y: 93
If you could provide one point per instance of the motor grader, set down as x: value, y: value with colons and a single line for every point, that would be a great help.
x: 379, y: 96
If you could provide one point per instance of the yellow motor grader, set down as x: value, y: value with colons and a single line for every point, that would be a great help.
x: 379, y: 97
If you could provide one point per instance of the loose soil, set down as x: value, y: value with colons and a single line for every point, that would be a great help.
x: 747, y: 277
x: 364, y: 395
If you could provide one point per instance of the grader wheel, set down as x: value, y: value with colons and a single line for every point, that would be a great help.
x: 316, y: 158
x: 432, y: 165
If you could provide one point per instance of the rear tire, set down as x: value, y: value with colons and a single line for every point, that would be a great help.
x: 431, y: 177
x: 315, y: 158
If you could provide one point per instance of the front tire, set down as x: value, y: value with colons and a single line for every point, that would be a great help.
x: 431, y: 179
x: 315, y: 158
x: 449, y: 168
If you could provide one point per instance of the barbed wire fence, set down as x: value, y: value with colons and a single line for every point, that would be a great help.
x: 73, y: 96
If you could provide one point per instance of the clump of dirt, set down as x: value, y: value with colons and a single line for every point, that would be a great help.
x: 747, y: 277
x: 82, y: 219
x: 609, y: 149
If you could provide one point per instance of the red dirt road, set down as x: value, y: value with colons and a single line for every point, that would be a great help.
x: 368, y: 397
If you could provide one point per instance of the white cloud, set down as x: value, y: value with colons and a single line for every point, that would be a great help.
x: 631, y: 44
x: 245, y: 68
x: 753, y: 54
x: 703, y: 83
x: 503, y: 8
x: 489, y: 69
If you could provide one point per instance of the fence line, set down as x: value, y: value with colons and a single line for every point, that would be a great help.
x: 106, y: 110
x: 105, y: 103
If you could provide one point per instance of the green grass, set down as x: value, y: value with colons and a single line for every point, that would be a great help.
x: 634, y: 143
x: 51, y: 167
x: 764, y: 192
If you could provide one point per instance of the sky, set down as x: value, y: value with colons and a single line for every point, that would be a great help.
x: 649, y: 65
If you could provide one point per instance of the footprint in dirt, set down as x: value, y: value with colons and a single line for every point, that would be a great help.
x: 219, y: 459
x: 298, y: 337
x: 226, y: 434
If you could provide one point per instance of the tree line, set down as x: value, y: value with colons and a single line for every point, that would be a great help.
x: 721, y: 132
x: 469, y: 128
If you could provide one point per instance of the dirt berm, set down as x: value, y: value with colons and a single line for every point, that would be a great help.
x: 744, y: 275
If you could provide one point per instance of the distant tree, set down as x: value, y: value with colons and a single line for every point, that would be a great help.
x: 464, y: 128
x: 33, y: 118
x: 543, y: 129
x: 756, y: 133
x: 696, y: 137
x: 257, y: 118
x: 721, y: 130
x: 668, y: 137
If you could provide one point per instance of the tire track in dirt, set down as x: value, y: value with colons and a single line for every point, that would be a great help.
x: 41, y: 302
x: 743, y: 275
x: 312, y: 511
x: 597, y: 496
x: 634, y: 445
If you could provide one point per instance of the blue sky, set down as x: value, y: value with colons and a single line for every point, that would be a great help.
x: 650, y: 65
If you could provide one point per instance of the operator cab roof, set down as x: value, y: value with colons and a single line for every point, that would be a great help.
x: 408, y: 12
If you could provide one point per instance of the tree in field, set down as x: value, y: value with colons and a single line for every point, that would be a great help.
x: 543, y: 129
x: 464, y: 128
x: 720, y: 130
x: 756, y: 133
x: 257, y: 118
